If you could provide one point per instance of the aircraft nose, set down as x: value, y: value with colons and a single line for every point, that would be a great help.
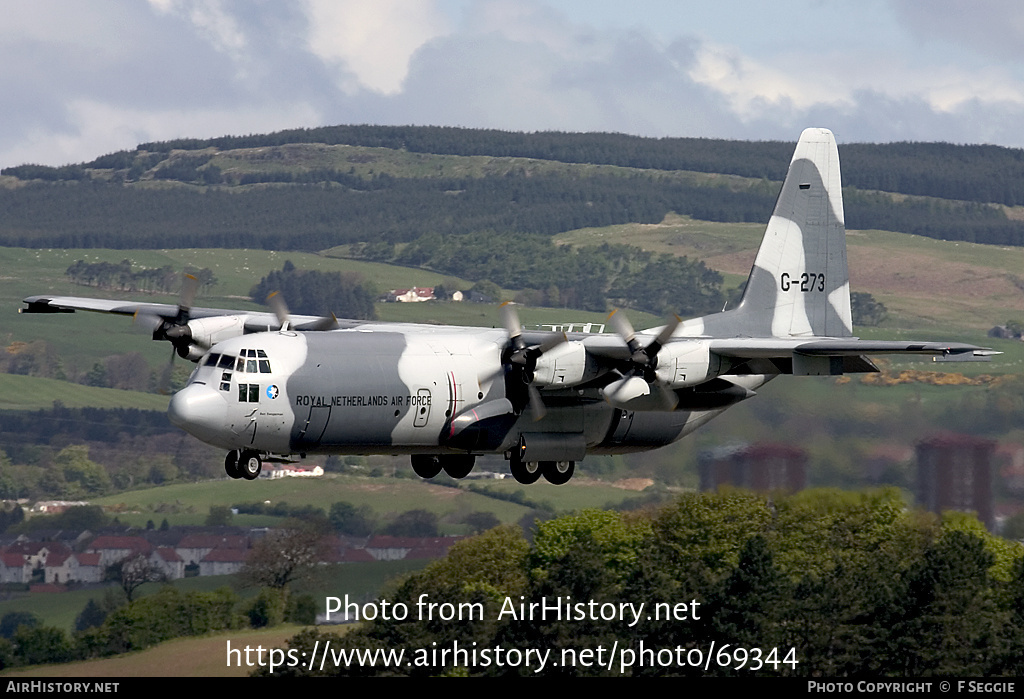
x: 199, y: 410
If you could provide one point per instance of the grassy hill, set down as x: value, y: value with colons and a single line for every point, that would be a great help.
x: 189, y: 503
x: 926, y: 284
x: 183, y: 657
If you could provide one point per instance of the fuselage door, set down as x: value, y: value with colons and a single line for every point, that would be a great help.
x: 421, y: 406
x: 316, y: 423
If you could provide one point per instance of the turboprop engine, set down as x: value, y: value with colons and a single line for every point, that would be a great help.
x: 681, y: 364
x: 198, y: 335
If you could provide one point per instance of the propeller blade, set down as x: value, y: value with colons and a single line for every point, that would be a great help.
x: 537, y: 408
x: 164, y: 381
x: 510, y: 319
x: 551, y: 343
x: 280, y: 308
x: 622, y: 326
x: 664, y: 336
x: 326, y: 323
x: 189, y: 289
x: 668, y: 397
x: 148, y: 322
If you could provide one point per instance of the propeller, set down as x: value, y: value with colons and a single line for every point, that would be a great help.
x: 276, y: 302
x: 522, y: 358
x: 644, y: 360
x: 175, y: 330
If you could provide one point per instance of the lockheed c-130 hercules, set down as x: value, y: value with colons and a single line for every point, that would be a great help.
x: 274, y: 387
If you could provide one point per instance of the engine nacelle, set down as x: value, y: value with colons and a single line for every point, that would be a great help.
x: 206, y: 332
x: 687, y: 363
x: 563, y: 365
x: 634, y: 393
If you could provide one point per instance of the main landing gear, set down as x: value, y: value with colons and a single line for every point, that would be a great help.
x: 455, y: 465
x: 554, y: 472
x: 243, y: 464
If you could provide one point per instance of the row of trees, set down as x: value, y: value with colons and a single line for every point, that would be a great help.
x: 590, y: 278
x: 111, y: 627
x: 120, y: 624
x: 840, y: 583
x: 309, y: 292
x: 123, y: 276
x: 975, y: 173
x: 313, y: 208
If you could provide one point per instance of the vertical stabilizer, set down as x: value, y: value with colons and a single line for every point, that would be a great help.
x: 799, y: 285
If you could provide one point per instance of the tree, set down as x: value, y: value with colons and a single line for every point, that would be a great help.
x: 10, y: 622
x: 81, y: 474
x: 345, y: 518
x: 220, y: 515
x: 283, y: 556
x: 417, y: 523
x: 134, y: 571
x: 481, y: 521
x: 865, y: 310
x: 91, y: 616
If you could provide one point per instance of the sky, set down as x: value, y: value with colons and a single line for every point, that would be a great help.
x: 82, y: 79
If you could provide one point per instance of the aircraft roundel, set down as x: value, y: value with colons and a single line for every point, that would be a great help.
x: 272, y: 391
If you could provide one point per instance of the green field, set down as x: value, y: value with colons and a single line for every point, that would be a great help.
x: 82, y: 338
x: 927, y: 284
x: 189, y: 503
x: 361, y: 580
x: 205, y: 656
x: 33, y: 393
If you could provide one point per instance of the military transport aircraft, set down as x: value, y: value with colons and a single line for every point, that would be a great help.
x: 275, y: 387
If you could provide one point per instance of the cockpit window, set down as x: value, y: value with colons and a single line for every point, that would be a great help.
x: 250, y: 366
x: 211, y: 359
x: 264, y: 365
x: 226, y: 362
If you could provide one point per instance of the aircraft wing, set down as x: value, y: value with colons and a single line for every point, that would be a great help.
x: 255, y: 321
x: 778, y: 348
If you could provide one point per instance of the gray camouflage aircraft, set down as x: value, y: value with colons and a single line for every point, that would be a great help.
x: 274, y: 387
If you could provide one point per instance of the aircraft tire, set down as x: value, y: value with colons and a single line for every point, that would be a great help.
x: 231, y: 465
x: 558, y: 472
x: 458, y: 465
x: 426, y: 465
x: 525, y: 472
x: 250, y: 464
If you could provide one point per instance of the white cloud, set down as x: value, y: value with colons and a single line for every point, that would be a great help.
x: 750, y: 85
x: 101, y: 128
x: 212, y: 20
x: 371, y: 43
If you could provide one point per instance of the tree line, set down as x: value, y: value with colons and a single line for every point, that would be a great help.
x: 123, y: 276
x: 590, y: 278
x: 309, y: 292
x: 837, y: 584
x: 314, y: 208
x: 981, y: 173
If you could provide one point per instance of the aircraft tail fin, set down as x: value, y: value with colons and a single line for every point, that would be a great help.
x: 799, y: 284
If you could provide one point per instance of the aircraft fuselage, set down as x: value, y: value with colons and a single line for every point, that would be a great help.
x: 380, y: 390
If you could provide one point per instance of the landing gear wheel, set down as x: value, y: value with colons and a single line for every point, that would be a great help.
x: 250, y: 464
x: 525, y: 472
x: 458, y: 465
x: 231, y: 465
x: 558, y: 472
x: 426, y: 465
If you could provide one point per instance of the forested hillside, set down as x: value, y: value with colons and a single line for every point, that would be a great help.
x: 285, y: 191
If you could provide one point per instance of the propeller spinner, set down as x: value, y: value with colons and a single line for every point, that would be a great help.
x: 641, y: 381
x: 522, y: 358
